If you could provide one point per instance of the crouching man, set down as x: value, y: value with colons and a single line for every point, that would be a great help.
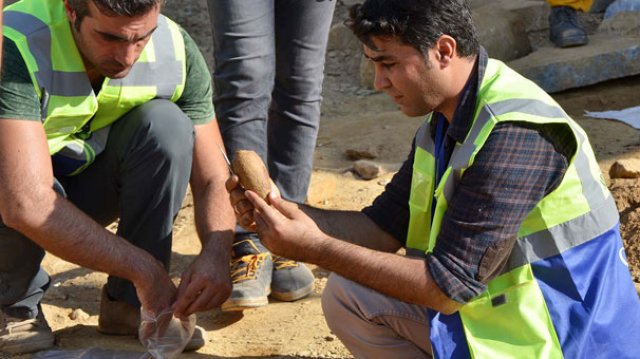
x: 512, y: 242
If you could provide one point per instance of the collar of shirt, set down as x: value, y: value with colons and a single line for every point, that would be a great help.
x: 463, y: 116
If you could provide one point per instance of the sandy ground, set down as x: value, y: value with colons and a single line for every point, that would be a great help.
x: 352, y: 119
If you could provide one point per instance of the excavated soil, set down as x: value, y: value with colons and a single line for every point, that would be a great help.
x: 352, y: 119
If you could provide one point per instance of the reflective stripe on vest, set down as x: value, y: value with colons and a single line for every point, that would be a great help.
x: 77, y: 121
x: 512, y: 318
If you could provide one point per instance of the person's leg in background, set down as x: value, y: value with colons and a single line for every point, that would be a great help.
x: 283, y: 132
x: 244, y: 55
x: 564, y: 29
x: 302, y: 31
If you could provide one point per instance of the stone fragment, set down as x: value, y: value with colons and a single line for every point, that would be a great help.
x: 360, y: 154
x: 502, y: 32
x: 366, y: 169
x: 78, y: 314
x: 622, y: 24
x: 627, y: 168
x: 343, y: 39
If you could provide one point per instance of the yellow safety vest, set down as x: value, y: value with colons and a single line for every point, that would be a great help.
x: 538, y: 306
x: 76, y: 120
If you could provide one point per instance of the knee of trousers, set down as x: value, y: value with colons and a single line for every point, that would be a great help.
x: 159, y: 126
x: 337, y: 303
x: 20, y: 260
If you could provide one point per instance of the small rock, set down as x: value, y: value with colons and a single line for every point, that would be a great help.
x: 366, y: 169
x: 329, y: 338
x: 78, y: 314
x: 628, y: 168
x: 383, y: 182
x: 359, y: 154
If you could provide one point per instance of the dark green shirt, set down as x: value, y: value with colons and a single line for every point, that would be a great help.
x: 19, y: 100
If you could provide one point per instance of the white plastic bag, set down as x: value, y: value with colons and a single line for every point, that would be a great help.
x: 164, y: 335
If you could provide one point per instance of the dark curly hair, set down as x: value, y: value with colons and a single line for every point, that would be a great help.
x: 418, y: 23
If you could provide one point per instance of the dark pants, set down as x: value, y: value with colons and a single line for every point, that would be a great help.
x: 269, y: 57
x: 140, y: 178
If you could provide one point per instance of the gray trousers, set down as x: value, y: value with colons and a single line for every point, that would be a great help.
x: 269, y: 63
x: 372, y: 325
x: 141, y: 178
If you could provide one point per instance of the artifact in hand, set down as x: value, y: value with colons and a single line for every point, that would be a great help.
x: 251, y: 171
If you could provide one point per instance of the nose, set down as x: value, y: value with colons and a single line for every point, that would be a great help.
x: 381, y: 80
x: 128, y: 54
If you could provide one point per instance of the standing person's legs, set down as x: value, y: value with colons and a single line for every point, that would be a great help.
x: 372, y: 325
x: 244, y: 51
x: 141, y: 178
x: 302, y: 31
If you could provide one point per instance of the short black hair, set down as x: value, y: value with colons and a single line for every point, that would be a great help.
x: 128, y: 8
x: 418, y: 23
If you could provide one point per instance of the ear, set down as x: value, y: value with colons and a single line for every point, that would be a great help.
x: 71, y: 14
x: 446, y: 47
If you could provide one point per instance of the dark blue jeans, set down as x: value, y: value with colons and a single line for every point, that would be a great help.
x: 140, y: 178
x: 269, y: 57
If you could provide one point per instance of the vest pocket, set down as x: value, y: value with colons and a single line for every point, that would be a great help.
x: 510, y: 320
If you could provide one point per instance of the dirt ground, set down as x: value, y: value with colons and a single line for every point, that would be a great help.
x: 352, y: 119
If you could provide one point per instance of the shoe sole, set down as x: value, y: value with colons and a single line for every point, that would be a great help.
x: 292, y: 296
x: 244, y: 303
x: 29, y: 346
x: 572, y: 42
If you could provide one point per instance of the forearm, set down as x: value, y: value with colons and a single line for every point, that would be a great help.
x: 214, y: 216
x: 60, y: 228
x: 353, y: 227
x: 404, y: 278
x: 30, y: 205
x: 214, y: 220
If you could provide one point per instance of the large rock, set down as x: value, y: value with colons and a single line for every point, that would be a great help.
x: 622, y: 24
x: 621, y: 6
x: 503, y: 33
x: 605, y: 58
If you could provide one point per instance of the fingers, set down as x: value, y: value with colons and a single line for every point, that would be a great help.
x: 193, y: 297
x: 232, y: 183
x: 264, y: 211
x: 289, y: 209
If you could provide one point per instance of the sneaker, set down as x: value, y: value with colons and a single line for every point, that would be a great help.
x: 290, y: 280
x: 121, y: 318
x: 251, y: 269
x: 19, y: 336
x: 564, y: 30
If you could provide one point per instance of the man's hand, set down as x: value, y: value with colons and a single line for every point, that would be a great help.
x: 203, y: 286
x: 283, y: 228
x: 241, y: 205
x: 155, y: 289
